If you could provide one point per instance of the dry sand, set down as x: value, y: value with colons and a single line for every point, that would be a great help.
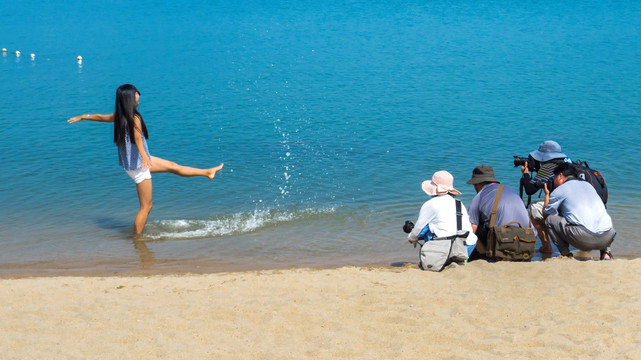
x: 559, y: 308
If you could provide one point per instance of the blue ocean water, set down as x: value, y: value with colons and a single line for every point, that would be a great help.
x: 327, y: 115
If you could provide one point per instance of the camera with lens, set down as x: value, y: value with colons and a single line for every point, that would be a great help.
x: 540, y: 183
x: 532, y: 164
x: 407, y: 228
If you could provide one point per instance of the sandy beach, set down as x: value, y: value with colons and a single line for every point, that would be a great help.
x: 559, y: 308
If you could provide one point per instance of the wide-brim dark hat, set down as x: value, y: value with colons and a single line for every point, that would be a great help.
x: 481, y: 174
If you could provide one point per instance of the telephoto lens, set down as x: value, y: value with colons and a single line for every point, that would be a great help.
x: 519, y: 161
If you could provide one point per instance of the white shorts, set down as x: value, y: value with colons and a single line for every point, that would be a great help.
x: 536, y: 211
x: 139, y: 175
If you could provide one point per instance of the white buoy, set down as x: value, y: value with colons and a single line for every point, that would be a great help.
x: 33, y: 56
x: 79, y: 58
x: 17, y: 53
x: 4, y: 50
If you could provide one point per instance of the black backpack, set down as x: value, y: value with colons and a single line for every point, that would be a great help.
x: 595, y: 178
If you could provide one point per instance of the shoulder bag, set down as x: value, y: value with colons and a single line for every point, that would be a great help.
x: 511, y: 242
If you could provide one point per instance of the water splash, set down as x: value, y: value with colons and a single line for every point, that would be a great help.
x: 286, y: 159
x: 233, y: 224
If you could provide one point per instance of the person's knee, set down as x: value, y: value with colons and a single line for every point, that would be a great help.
x: 146, y: 205
x: 538, y: 223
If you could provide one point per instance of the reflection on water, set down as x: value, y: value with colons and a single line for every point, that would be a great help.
x: 144, y: 253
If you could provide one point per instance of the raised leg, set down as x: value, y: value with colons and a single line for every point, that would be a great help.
x: 161, y: 165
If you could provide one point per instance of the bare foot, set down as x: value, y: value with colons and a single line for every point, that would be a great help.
x: 211, y: 173
x: 546, y: 249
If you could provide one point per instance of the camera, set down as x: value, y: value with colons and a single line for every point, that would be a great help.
x: 407, y: 228
x: 549, y: 182
x: 532, y: 164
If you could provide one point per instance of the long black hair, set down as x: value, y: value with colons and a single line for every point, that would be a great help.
x: 124, y: 114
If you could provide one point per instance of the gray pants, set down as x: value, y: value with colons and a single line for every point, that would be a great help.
x: 564, y: 234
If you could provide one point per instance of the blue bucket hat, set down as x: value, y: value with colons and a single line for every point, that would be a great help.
x: 547, y: 151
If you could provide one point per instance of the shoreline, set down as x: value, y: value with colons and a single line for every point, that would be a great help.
x: 547, y: 309
x: 205, y: 268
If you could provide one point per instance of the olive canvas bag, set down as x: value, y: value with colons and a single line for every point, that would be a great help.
x: 511, y: 242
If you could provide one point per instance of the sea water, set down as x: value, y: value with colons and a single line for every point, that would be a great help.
x: 328, y: 115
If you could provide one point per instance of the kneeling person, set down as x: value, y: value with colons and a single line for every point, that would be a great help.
x: 510, y: 207
x: 440, y: 215
x: 575, y: 215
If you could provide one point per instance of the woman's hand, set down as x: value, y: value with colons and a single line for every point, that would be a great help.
x: 92, y: 117
x: 146, y: 163
x: 75, y: 119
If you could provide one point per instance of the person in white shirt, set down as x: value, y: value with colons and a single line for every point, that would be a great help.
x: 439, y: 212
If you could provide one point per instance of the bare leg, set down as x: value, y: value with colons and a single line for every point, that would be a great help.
x: 162, y: 165
x: 144, y: 196
x: 546, y: 247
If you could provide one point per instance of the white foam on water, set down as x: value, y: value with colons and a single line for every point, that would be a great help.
x: 233, y: 224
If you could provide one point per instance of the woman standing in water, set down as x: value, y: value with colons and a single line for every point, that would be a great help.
x: 130, y: 136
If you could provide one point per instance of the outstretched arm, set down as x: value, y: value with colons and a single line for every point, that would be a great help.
x: 93, y: 117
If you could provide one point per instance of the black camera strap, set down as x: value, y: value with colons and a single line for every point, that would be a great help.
x: 459, y: 215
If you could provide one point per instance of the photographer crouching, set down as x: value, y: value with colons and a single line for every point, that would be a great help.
x: 443, y: 225
x: 543, y: 162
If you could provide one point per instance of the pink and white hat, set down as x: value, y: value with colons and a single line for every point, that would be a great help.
x: 442, y: 183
